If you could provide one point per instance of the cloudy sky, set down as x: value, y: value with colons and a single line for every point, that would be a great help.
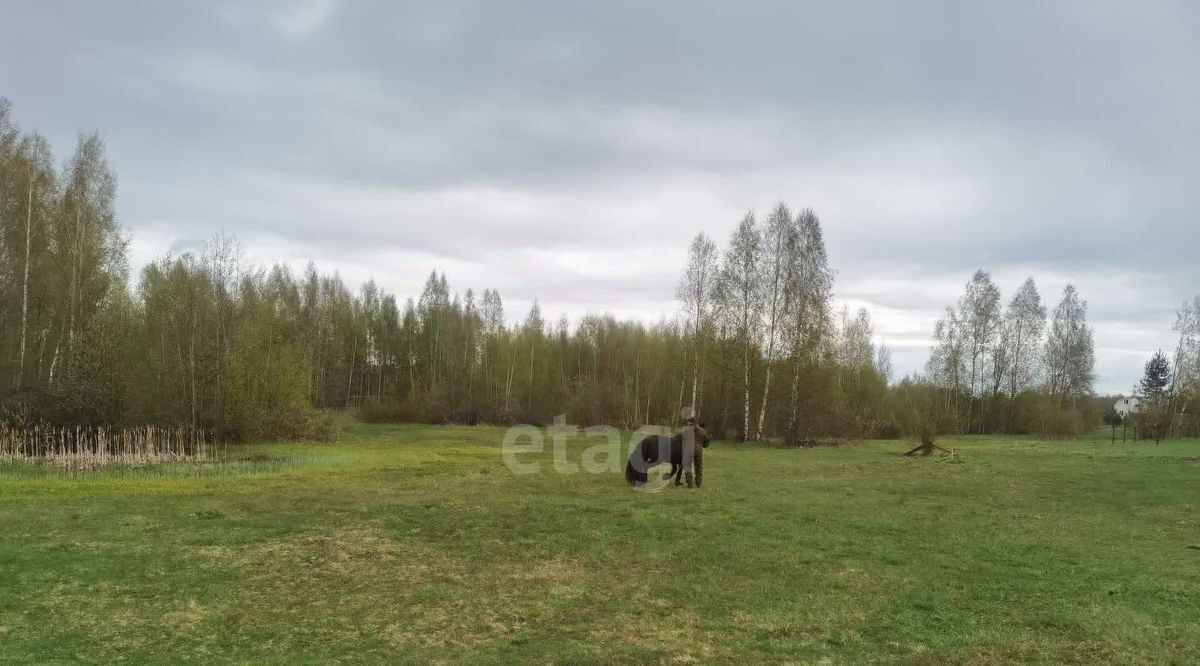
x: 568, y: 151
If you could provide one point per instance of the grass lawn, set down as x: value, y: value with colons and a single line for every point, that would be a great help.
x: 417, y: 544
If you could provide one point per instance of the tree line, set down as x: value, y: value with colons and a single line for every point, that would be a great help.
x: 758, y: 349
x: 1014, y: 367
x: 204, y: 340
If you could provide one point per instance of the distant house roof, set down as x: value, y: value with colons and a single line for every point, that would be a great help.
x: 1126, y: 406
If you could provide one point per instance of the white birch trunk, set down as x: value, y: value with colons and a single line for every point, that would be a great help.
x: 746, y: 394
x: 25, y: 286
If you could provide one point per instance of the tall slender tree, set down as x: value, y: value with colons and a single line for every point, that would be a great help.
x: 696, y: 294
x: 945, y: 365
x: 779, y: 241
x: 1024, y: 326
x: 39, y: 201
x: 808, y: 298
x: 742, y: 285
x: 1069, y: 351
x: 979, y: 315
x: 91, y: 249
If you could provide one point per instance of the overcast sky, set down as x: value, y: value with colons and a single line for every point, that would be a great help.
x: 569, y: 151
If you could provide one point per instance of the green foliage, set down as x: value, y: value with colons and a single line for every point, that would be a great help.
x: 1047, y: 418
x: 269, y: 384
x: 1112, y: 417
x: 1153, y: 420
x: 1154, y: 414
x: 1157, y: 378
x: 920, y: 410
x: 376, y: 410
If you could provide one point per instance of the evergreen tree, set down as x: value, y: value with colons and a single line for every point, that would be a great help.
x: 1153, y: 393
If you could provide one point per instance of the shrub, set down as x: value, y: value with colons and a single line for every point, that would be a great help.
x: 889, y: 430
x: 293, y: 424
x: 1053, y: 421
x: 375, y: 410
x: 269, y: 387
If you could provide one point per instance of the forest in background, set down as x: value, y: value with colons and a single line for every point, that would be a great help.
x: 759, y: 348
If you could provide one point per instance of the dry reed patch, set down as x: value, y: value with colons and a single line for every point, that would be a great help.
x: 86, y: 448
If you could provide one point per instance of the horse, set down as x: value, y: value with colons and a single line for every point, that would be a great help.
x: 658, y: 448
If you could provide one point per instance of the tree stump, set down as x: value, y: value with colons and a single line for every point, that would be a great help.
x: 925, y: 448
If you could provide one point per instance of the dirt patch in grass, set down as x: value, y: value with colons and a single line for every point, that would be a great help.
x: 188, y: 617
x: 675, y: 635
x: 403, y: 590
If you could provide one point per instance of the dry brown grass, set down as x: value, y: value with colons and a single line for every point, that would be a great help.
x: 92, y: 447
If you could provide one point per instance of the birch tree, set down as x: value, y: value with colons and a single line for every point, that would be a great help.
x: 741, y: 280
x: 491, y: 312
x: 12, y: 167
x: 696, y: 294
x: 90, y: 248
x: 856, y: 349
x: 979, y: 315
x: 1069, y: 352
x: 534, y: 330
x: 808, y: 296
x: 1024, y: 327
x: 435, y: 299
x: 779, y: 240
x: 945, y: 365
x: 1185, y: 381
x: 884, y: 364
x: 37, y: 181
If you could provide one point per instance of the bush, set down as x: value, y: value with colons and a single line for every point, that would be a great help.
x: 596, y: 402
x: 269, y: 388
x: 375, y: 410
x: 889, y: 430
x: 1153, y: 421
x: 294, y: 424
x: 1055, y: 422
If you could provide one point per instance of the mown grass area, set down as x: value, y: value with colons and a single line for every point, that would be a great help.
x: 417, y: 544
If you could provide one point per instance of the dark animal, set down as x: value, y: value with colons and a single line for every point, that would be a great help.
x: 658, y: 448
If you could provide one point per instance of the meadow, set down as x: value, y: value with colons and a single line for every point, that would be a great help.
x: 417, y: 544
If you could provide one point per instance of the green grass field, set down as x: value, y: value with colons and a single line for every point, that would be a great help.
x: 417, y: 544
